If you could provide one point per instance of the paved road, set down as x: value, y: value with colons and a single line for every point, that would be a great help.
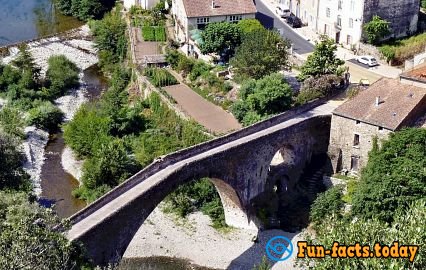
x: 270, y: 20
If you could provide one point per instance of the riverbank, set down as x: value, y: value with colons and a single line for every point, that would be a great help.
x: 162, y: 235
x: 77, y: 47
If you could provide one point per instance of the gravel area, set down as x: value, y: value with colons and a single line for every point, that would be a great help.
x: 195, y: 240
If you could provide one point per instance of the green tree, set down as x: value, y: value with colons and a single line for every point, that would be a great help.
x: 12, y: 121
x: 26, y: 63
x: 322, y: 86
x: 326, y: 204
x: 87, y: 132
x: 12, y: 176
x: 46, y: 116
x: 220, y: 36
x: 323, y: 60
x: 261, y: 53
x: 394, y: 176
x: 61, y: 75
x: 376, y: 29
x: 30, y: 237
x: 249, y: 25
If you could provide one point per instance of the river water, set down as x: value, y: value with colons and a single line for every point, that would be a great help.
x: 22, y: 20
x: 56, y: 184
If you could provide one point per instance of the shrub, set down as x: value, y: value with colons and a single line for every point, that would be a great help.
x: 46, y: 116
x: 328, y: 203
x: 11, y: 121
x: 199, y: 69
x: 319, y: 87
x: 376, y: 29
x: 61, y: 75
x: 160, y: 77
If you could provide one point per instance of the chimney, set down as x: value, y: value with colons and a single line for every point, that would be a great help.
x: 377, y: 101
x: 213, y: 4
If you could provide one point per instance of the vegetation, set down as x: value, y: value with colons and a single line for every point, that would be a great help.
x: 61, y: 75
x: 262, y: 98
x: 261, y: 53
x: 85, y: 9
x: 197, y: 196
x: 322, y: 61
x: 394, y: 176
x: 398, y: 51
x: 110, y: 39
x: 249, y: 25
x: 46, y: 116
x: 376, y: 29
x: 160, y: 77
x: 313, y: 88
x: 387, y: 205
x: 220, y: 37
x: 154, y: 33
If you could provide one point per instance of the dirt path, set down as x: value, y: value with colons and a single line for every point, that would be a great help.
x: 211, y: 116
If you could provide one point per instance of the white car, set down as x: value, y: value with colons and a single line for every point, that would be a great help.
x: 283, y: 11
x: 367, y: 60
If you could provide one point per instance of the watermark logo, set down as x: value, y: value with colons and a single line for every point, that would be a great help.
x: 279, y: 248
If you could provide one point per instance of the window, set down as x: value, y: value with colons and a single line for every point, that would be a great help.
x: 354, y: 163
x: 339, y: 5
x: 235, y: 18
x: 352, y: 5
x: 349, y: 42
x: 351, y: 23
x: 203, y: 20
x: 327, y: 12
x: 339, y: 21
x: 356, y: 140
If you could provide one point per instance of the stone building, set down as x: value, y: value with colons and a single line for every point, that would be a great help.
x: 343, y: 20
x: 386, y: 106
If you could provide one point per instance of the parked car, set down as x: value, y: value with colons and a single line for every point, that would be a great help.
x: 294, y: 21
x: 283, y: 11
x: 367, y: 60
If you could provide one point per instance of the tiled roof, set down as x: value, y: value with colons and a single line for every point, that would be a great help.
x: 203, y: 8
x: 418, y: 74
x: 397, y: 101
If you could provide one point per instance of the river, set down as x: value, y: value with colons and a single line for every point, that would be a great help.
x: 22, y: 20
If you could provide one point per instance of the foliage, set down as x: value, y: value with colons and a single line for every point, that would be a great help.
x: 25, y: 62
x: 376, y: 29
x: 313, y: 88
x: 12, y: 176
x: 154, y: 33
x: 263, y: 265
x: 249, y: 25
x: 84, y: 9
x: 87, y: 132
x: 327, y: 203
x: 398, y: 51
x: 46, y: 116
x: 196, y: 196
x: 220, y: 36
x: 199, y: 68
x: 61, y: 75
x: 423, y: 3
x: 110, y: 166
x: 261, y: 98
x: 407, y: 228
x: 174, y: 57
x: 30, y: 237
x: 322, y: 61
x: 12, y: 121
x: 261, y: 53
x: 394, y: 176
x: 160, y: 77
x: 110, y: 39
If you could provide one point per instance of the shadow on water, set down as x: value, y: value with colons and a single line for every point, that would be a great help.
x: 57, y: 185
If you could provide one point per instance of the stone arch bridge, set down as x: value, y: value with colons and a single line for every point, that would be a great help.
x: 238, y: 164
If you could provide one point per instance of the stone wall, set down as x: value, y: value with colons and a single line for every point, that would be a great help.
x: 342, y: 134
x: 402, y: 14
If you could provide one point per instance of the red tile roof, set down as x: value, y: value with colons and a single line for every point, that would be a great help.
x: 417, y: 74
x: 397, y: 101
x: 203, y: 8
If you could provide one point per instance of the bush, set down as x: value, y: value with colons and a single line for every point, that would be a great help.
x: 12, y: 122
x: 328, y: 203
x: 319, y: 87
x: 199, y: 69
x: 61, y: 75
x: 401, y: 50
x: 46, y: 116
x: 160, y: 77
x: 376, y: 29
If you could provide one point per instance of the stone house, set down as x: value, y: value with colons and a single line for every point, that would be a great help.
x: 190, y: 15
x: 386, y: 106
x: 343, y: 20
x: 145, y: 4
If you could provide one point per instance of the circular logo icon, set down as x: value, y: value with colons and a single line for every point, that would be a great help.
x: 277, y: 247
